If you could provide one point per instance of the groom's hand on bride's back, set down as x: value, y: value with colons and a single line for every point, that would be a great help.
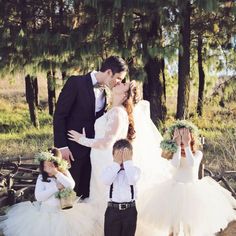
x: 67, y: 155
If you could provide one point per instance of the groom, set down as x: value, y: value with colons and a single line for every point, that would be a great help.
x: 81, y: 101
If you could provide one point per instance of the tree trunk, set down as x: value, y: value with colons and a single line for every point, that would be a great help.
x: 51, y: 82
x: 154, y: 86
x: 30, y: 98
x: 164, y: 78
x: 63, y: 77
x: 184, y: 63
x: 153, y: 90
x: 36, y: 91
x: 201, y: 77
x: 61, y: 15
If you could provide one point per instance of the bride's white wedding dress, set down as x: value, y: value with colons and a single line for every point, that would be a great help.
x: 109, y: 128
x: 113, y: 126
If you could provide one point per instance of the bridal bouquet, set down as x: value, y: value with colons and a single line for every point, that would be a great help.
x: 67, y: 197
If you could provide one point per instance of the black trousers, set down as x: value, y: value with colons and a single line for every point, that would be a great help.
x: 120, y: 222
x: 81, y: 173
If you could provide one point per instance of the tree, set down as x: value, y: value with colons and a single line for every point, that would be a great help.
x: 51, y: 82
x: 184, y: 61
x: 31, y: 98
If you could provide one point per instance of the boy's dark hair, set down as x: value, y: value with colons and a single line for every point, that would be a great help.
x: 121, y: 144
x: 115, y: 64
x: 56, y: 152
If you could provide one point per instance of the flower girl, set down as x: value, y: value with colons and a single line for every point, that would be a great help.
x: 46, y: 216
x: 186, y: 205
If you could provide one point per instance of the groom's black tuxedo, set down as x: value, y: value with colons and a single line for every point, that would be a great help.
x: 75, y: 110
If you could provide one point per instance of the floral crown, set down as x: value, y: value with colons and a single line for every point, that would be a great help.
x: 182, y: 124
x: 48, y: 156
x: 170, y: 145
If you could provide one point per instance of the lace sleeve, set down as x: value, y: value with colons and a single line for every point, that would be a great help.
x: 116, y: 118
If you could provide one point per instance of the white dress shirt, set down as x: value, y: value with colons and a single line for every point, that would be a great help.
x: 99, y: 94
x: 121, y: 181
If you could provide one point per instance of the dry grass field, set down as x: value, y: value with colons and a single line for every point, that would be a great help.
x: 19, y: 137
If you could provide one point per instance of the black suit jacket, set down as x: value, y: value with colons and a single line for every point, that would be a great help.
x: 75, y: 110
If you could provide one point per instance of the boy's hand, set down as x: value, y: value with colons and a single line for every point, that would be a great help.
x: 118, y: 156
x: 127, y: 154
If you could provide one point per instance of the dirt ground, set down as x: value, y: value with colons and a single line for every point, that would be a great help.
x: 230, y: 231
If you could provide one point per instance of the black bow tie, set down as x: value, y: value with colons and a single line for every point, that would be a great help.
x: 100, y: 87
x: 97, y: 85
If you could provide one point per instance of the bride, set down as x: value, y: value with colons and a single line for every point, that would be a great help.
x: 123, y: 120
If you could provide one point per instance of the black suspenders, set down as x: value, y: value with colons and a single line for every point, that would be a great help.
x: 131, y: 190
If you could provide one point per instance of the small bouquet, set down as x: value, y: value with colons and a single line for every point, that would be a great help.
x: 67, y: 197
x: 169, y: 147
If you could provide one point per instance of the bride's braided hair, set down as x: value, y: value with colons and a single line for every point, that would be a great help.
x: 129, y: 106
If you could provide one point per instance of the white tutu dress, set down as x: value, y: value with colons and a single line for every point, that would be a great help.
x: 186, y: 205
x: 45, y: 216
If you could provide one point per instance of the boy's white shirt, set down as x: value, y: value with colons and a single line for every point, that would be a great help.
x: 121, y: 181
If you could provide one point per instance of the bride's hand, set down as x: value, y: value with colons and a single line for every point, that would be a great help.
x: 75, y: 136
x: 177, y: 137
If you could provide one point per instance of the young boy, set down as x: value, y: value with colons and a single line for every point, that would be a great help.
x: 121, y: 177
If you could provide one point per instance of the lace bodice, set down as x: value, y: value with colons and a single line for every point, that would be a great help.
x: 186, y: 169
x: 108, y: 128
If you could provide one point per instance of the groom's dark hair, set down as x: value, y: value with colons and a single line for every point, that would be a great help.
x: 115, y: 64
x: 121, y: 144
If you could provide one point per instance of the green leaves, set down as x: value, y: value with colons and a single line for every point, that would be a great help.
x: 209, y: 5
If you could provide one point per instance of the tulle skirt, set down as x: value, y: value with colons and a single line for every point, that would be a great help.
x: 28, y: 218
x: 200, y: 208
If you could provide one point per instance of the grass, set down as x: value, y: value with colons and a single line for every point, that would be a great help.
x: 19, y: 137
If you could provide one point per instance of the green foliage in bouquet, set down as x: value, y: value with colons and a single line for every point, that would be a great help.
x: 65, y: 192
x: 48, y: 156
x: 169, y: 145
